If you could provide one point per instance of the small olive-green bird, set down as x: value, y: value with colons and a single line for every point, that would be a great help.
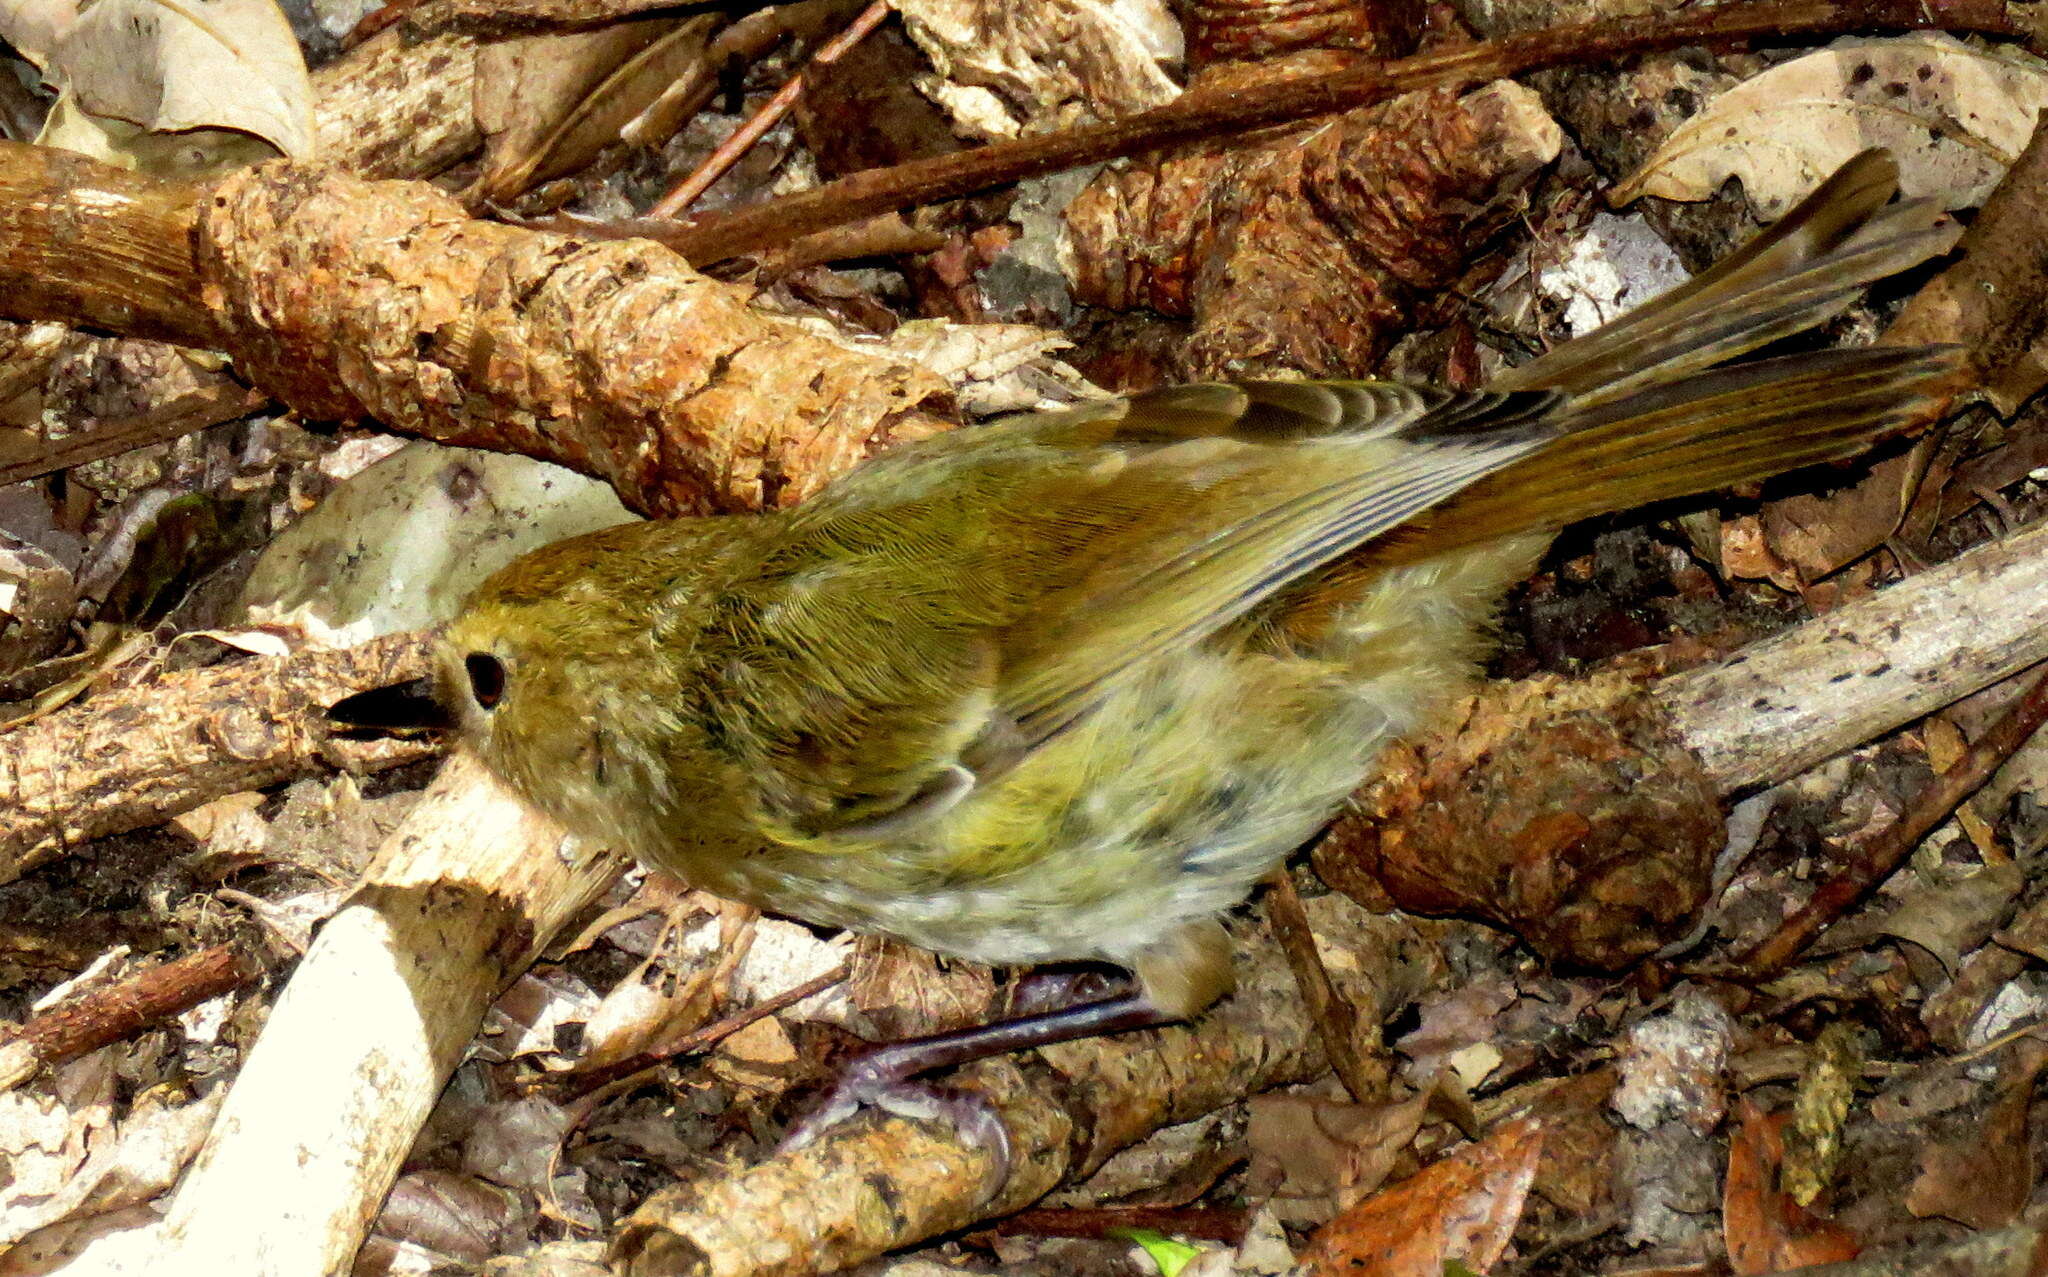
x: 1066, y: 685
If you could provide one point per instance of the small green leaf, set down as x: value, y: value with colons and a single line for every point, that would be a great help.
x: 1170, y: 1255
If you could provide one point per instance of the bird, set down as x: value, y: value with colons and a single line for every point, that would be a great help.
x: 1066, y: 685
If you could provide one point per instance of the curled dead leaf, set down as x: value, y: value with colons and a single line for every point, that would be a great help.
x: 1955, y: 116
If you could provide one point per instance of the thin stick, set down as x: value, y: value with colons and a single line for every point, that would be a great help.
x: 185, y: 415
x: 1337, y: 1021
x: 577, y: 1085
x: 1200, y: 114
x: 106, y: 1015
x: 728, y: 152
x: 1211, y: 1223
x: 1875, y: 860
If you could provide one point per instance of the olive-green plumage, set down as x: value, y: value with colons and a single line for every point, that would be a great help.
x: 1066, y: 685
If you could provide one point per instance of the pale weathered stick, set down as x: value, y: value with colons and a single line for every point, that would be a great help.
x: 398, y: 107
x: 1799, y: 698
x: 460, y: 899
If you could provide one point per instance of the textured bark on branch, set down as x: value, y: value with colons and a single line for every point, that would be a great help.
x: 1309, y: 248
x: 347, y: 298
x: 134, y: 757
x: 1582, y: 816
x: 111, y: 1013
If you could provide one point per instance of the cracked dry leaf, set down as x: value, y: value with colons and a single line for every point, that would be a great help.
x: 145, y: 1153
x: 1006, y: 69
x: 49, y: 1135
x: 170, y: 89
x: 1461, y: 1209
x: 1314, y: 1158
x: 1765, y: 1229
x: 1954, y: 115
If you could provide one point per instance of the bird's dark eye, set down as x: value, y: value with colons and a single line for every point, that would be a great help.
x: 486, y: 678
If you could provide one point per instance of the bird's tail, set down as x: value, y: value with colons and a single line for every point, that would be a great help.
x: 1648, y: 417
x: 1718, y: 428
x: 1804, y: 270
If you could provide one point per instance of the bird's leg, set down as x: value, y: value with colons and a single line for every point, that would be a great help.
x: 1058, y: 988
x: 1176, y: 977
x: 881, y: 1076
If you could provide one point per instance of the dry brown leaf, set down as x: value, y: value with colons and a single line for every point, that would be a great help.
x: 173, y: 89
x: 1006, y: 68
x: 1577, y: 1170
x: 644, y: 1006
x: 526, y: 1016
x: 227, y: 826
x: 548, y: 104
x: 1764, y: 1228
x: 1315, y: 1157
x: 1747, y: 553
x: 1462, y: 1208
x: 1457, y: 1032
x: 1945, y: 748
x: 1984, y: 1179
x: 1955, y: 116
x: 1952, y: 910
x: 457, y: 1216
x: 906, y: 991
x: 759, y: 1059
x: 518, y: 1142
x: 676, y: 986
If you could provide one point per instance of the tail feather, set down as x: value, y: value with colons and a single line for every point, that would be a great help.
x: 1802, y: 271
x: 1723, y: 427
x: 1646, y: 416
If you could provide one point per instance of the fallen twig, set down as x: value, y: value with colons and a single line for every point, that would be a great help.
x: 1360, y: 1063
x: 728, y: 152
x: 1241, y: 109
x: 1874, y: 860
x: 187, y: 415
x: 576, y: 1085
x: 106, y: 1015
x: 1213, y: 1223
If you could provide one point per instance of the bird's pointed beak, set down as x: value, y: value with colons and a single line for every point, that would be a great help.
x: 399, y: 709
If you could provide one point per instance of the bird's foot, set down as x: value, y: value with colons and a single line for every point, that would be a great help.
x: 1063, y: 988
x: 881, y: 1078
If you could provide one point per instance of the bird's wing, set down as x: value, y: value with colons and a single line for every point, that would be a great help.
x: 948, y: 608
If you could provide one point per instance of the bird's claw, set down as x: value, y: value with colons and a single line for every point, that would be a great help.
x: 871, y: 1083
